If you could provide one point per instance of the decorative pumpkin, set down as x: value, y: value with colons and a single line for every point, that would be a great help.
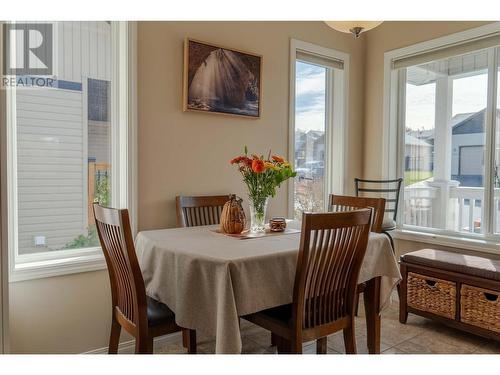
x: 233, y: 219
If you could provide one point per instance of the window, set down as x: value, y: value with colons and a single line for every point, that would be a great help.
x: 69, y: 149
x: 98, y: 95
x: 496, y: 146
x: 310, y: 117
x: 317, y: 122
x: 444, y: 108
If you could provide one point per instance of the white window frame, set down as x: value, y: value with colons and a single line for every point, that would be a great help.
x: 393, y: 140
x: 124, y: 184
x: 336, y: 120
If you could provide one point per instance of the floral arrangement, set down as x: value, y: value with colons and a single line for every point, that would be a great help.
x: 262, y: 177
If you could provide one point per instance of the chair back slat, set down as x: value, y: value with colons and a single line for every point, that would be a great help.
x: 200, y: 210
x: 127, y: 285
x: 342, y: 203
x: 388, y: 189
x: 331, y: 251
x: 378, y: 190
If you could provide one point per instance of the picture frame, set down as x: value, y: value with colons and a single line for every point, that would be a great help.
x: 221, y: 80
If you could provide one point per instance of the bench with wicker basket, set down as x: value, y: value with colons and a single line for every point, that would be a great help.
x: 462, y: 291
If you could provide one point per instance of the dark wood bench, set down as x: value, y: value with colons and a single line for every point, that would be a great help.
x: 462, y: 291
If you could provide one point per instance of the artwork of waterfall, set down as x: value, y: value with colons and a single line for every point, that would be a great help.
x: 221, y: 80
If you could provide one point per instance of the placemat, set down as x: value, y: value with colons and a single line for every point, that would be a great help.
x: 246, y: 234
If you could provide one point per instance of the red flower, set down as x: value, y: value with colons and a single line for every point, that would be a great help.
x: 278, y: 159
x: 258, y: 165
x: 237, y: 160
x: 248, y: 162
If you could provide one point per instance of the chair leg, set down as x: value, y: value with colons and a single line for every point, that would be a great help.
x: 114, y: 338
x: 144, y: 345
x: 403, y: 307
x: 403, y: 313
x: 283, y: 346
x: 356, y: 303
x: 296, y: 347
x: 189, y: 340
x: 321, y: 345
x: 350, y: 339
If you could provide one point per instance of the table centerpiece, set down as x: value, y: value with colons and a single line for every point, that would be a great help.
x: 262, y: 177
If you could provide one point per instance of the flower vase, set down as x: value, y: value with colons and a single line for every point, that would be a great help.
x: 258, y: 207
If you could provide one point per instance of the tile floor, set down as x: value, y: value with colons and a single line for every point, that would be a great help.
x: 418, y: 336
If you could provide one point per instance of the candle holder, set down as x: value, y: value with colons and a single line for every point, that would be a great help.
x: 277, y: 224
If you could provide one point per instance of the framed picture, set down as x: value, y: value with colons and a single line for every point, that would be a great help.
x: 221, y: 80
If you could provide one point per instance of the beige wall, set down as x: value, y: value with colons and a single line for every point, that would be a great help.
x: 66, y: 314
x: 386, y: 37
x: 188, y: 153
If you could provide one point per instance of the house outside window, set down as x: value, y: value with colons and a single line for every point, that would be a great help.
x: 318, y: 103
x: 67, y: 151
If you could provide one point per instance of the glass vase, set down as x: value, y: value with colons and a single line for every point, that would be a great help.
x: 258, y: 207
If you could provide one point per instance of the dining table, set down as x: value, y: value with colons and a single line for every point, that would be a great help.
x: 210, y: 280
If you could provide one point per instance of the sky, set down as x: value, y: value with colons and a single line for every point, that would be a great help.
x: 469, y: 95
x: 309, y: 97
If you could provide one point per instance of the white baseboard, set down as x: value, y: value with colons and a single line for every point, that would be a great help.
x: 128, y: 347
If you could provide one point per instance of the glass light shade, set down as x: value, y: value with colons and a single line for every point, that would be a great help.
x: 354, y: 27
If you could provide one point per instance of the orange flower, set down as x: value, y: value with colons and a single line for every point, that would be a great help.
x: 237, y: 160
x: 258, y: 165
x: 278, y: 159
x: 247, y: 161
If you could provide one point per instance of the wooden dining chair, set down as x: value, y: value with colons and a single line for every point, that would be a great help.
x: 140, y: 315
x: 340, y: 203
x: 390, y: 189
x: 332, y: 248
x: 199, y: 210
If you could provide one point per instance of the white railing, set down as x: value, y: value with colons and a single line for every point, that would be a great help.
x: 470, y: 202
x: 463, y: 207
x: 418, y: 204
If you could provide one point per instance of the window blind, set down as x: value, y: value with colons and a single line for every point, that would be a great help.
x: 448, y: 51
x: 320, y: 60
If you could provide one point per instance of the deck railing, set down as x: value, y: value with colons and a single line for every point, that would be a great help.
x: 464, y: 207
x: 96, y: 171
x: 418, y: 205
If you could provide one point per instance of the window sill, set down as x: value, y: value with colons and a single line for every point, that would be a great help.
x: 485, y: 245
x: 56, y: 267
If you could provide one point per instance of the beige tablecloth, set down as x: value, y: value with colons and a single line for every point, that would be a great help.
x: 209, y: 279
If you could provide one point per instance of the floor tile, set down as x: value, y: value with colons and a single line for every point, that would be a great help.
x: 171, y: 349
x: 336, y: 342
x: 432, y: 342
x: 394, y: 333
x: 488, y: 347
x: 393, y: 350
x: 418, y: 336
x: 261, y: 338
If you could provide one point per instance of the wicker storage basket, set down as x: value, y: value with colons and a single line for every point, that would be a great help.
x: 432, y: 295
x: 480, y: 307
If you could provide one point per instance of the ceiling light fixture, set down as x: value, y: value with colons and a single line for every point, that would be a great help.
x: 353, y: 27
